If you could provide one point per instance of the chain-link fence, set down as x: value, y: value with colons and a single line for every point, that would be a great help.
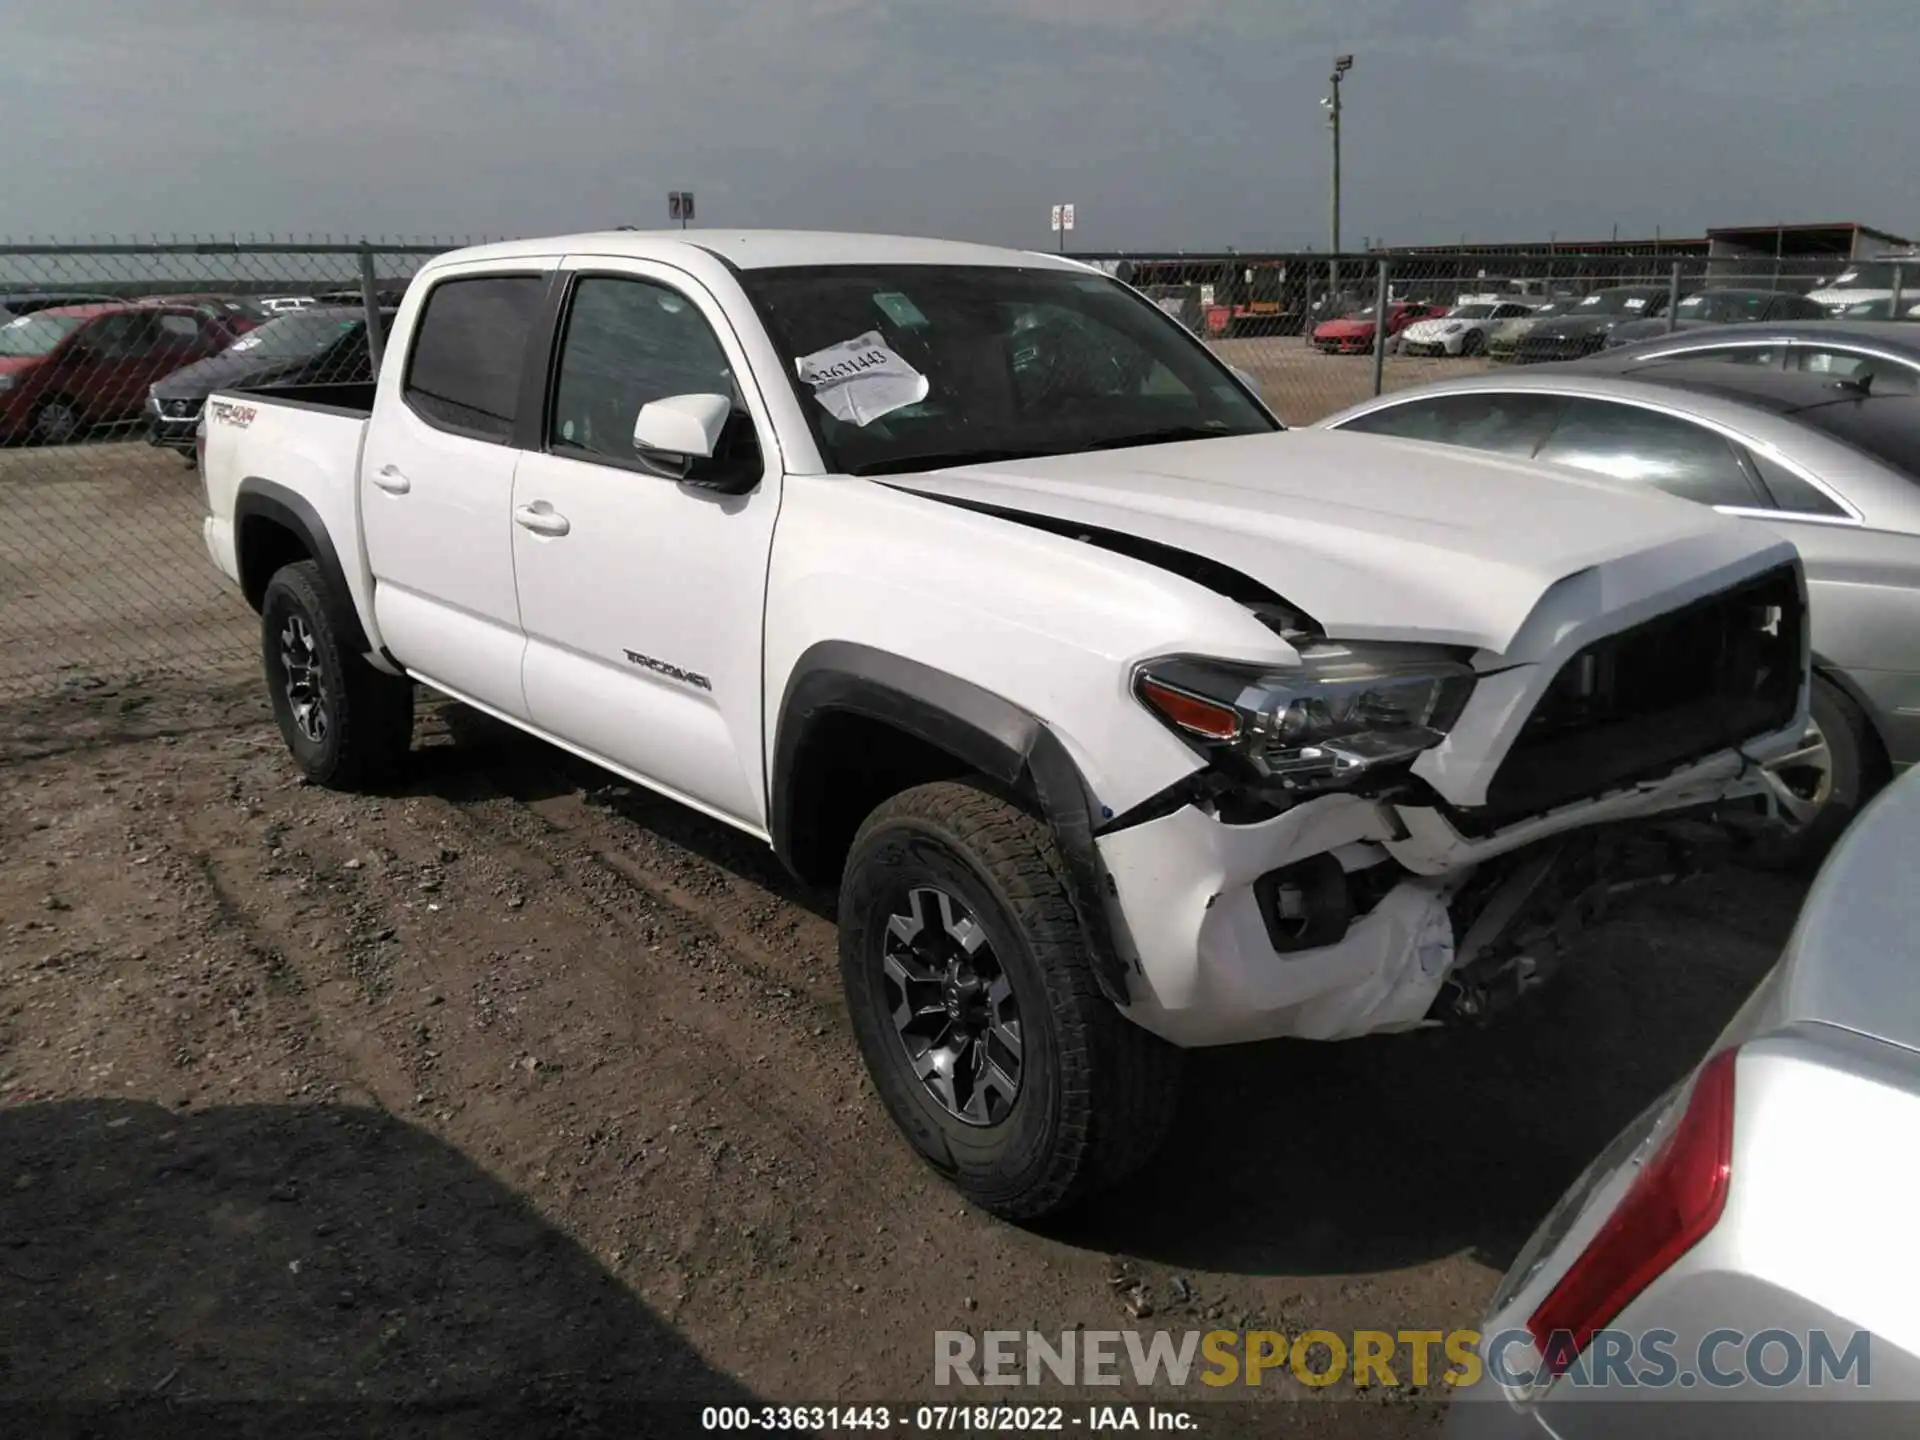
x: 111, y: 350
x: 106, y: 354
x: 1306, y: 327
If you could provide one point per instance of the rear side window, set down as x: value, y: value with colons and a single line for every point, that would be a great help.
x: 468, y: 353
x: 1887, y: 377
x: 1651, y: 448
x: 1510, y: 423
x: 1789, y: 491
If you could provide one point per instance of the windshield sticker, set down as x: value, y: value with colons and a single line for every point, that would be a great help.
x: 862, y: 379
x: 1635, y: 302
x: 899, y: 309
x: 251, y: 342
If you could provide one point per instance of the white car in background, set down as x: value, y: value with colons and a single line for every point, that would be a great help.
x: 1868, y: 283
x: 1461, y: 331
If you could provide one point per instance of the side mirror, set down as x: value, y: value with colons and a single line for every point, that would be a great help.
x: 681, y: 428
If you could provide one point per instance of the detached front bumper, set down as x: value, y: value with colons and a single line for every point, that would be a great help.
x: 1191, y: 908
x: 1345, y: 915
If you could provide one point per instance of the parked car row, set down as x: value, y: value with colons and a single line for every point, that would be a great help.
x: 72, y: 361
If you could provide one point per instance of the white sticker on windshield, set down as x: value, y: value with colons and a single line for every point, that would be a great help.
x: 862, y: 379
x: 1636, y: 303
x: 251, y: 342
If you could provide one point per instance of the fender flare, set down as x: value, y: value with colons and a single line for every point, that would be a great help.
x: 262, y: 499
x: 982, y: 730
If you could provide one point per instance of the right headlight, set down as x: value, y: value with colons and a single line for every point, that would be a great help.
x: 1344, y: 712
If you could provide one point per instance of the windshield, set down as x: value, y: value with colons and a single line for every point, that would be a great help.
x: 1613, y: 302
x: 37, y: 334
x: 295, y: 336
x: 1724, y: 309
x: 1471, y: 312
x: 913, y: 367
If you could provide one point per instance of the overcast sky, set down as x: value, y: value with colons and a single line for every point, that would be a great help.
x: 1175, y: 123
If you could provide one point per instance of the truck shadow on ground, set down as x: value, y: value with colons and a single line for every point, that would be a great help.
x: 1299, y: 1158
x: 296, y: 1270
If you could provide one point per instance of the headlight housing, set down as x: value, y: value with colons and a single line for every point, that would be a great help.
x: 1343, y: 713
x: 1455, y: 328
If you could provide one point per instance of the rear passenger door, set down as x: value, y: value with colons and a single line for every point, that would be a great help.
x: 436, y: 478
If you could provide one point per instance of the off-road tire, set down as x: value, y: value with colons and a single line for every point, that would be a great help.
x: 1097, y: 1092
x: 368, y: 713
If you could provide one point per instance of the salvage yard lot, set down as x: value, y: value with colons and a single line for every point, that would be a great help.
x: 520, y: 1083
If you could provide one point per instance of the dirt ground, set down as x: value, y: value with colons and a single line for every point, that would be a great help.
x: 519, y: 1087
x: 504, y: 1100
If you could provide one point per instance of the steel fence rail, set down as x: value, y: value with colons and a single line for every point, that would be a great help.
x: 103, y: 571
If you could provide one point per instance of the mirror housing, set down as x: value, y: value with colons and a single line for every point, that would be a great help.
x: 681, y: 428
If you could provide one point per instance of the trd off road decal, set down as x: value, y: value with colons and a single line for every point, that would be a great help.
x: 225, y: 412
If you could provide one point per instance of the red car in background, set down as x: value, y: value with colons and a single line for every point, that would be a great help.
x: 67, y: 369
x: 1353, y: 334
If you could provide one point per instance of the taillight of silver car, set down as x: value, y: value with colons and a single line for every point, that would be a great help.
x: 1671, y: 1206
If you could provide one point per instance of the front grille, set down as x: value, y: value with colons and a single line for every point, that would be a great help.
x: 180, y: 409
x: 1641, y: 703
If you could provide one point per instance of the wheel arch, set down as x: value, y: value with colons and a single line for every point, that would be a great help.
x: 1837, y: 677
x: 275, y: 526
x: 841, y: 698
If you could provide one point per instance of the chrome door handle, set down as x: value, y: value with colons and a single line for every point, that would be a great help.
x: 541, y: 521
x: 389, y: 479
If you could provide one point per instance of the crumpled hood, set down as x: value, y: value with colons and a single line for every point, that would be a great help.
x: 1334, y: 329
x: 1434, y: 329
x: 1374, y: 537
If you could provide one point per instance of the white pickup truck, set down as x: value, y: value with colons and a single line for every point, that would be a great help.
x: 1124, y: 720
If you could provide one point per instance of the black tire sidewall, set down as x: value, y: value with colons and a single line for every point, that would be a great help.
x: 285, y: 598
x: 1007, y: 1157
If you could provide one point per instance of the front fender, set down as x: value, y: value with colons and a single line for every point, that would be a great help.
x: 983, y: 731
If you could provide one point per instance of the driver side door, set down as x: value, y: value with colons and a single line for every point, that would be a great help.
x: 643, y: 598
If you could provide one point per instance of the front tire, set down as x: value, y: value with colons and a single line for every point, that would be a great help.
x: 346, y: 724
x: 1472, y: 343
x: 1836, y: 770
x: 977, y: 1013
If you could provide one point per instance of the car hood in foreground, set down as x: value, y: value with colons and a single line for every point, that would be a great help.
x: 1376, y: 537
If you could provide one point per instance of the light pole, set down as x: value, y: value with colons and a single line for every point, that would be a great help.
x: 1341, y: 65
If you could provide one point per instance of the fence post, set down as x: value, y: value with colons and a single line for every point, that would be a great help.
x: 1380, y: 327
x: 1893, y: 300
x: 370, y: 297
x: 1306, y: 312
x: 1673, y: 298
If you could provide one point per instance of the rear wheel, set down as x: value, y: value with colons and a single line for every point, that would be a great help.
x: 56, y: 421
x: 346, y: 724
x: 977, y: 1013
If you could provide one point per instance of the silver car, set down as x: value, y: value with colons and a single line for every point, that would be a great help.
x: 1888, y: 351
x: 1751, y: 1238
x: 1835, y: 469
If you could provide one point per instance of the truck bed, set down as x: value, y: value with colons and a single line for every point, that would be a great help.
x: 296, y: 450
x: 346, y: 397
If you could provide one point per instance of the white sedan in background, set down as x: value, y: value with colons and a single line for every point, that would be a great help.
x: 1462, y: 330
